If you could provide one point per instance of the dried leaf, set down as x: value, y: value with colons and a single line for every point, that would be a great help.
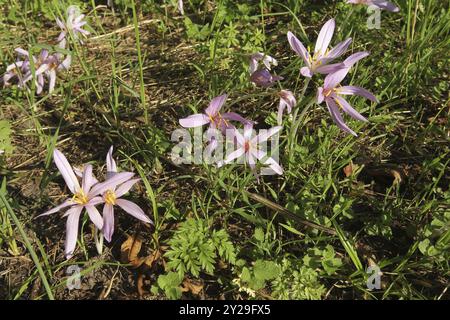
x: 140, y: 284
x: 130, y: 249
x: 397, y: 177
x: 350, y: 169
x: 193, y: 286
x: 152, y: 259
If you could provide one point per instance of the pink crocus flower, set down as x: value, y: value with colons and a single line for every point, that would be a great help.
x: 85, y: 196
x: 287, y: 100
x: 332, y: 93
x: 319, y: 61
x: 74, y: 24
x: 249, y: 148
x: 111, y: 197
x: 16, y: 70
x: 382, y: 4
x: 47, y: 65
x: 213, y: 117
x: 264, y: 78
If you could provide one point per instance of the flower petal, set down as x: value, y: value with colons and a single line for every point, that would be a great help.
x: 95, y: 216
x: 133, y: 209
x: 235, y: 117
x: 111, y: 166
x: 325, y: 35
x: 57, y: 208
x: 110, y: 183
x: 349, y: 109
x: 386, y: 5
x: 88, y: 179
x: 108, y: 222
x: 51, y: 85
x: 298, y: 47
x: 66, y: 171
x: 339, y: 49
x: 320, y: 96
x: 352, y: 90
x: 333, y: 79
x: 125, y: 187
x: 330, y: 68
x: 306, y: 72
x: 195, y: 120
x: 354, y: 58
x: 236, y: 154
x: 336, y: 116
x: 215, y: 105
x: 73, y: 217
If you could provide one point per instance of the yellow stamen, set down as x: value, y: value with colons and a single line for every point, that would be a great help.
x: 110, y: 197
x: 80, y: 197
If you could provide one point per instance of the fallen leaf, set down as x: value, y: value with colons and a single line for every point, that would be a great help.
x: 151, y: 259
x: 350, y: 169
x: 397, y: 177
x: 129, y: 251
x: 193, y: 286
x: 140, y: 284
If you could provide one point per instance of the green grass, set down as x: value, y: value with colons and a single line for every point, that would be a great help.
x: 311, y: 232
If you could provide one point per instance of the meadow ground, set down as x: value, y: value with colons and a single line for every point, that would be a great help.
x: 343, y: 208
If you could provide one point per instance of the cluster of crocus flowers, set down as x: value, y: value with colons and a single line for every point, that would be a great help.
x: 222, y: 122
x: 320, y: 62
x: 91, y: 193
x: 381, y: 4
x: 46, y: 65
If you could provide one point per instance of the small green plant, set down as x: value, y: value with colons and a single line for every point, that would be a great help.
x: 195, y: 248
x: 297, y: 282
x: 170, y: 284
x: 325, y: 258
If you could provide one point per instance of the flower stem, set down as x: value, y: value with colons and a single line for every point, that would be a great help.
x: 297, y: 119
x: 98, y: 235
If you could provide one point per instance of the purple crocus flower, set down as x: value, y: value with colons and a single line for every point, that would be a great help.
x: 213, y: 117
x: 111, y: 197
x: 47, y: 65
x: 331, y: 93
x: 249, y: 147
x: 85, y: 196
x: 382, y: 4
x: 15, y: 71
x: 264, y: 78
x: 73, y: 24
x: 38, y: 65
x: 287, y: 100
x: 319, y: 62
